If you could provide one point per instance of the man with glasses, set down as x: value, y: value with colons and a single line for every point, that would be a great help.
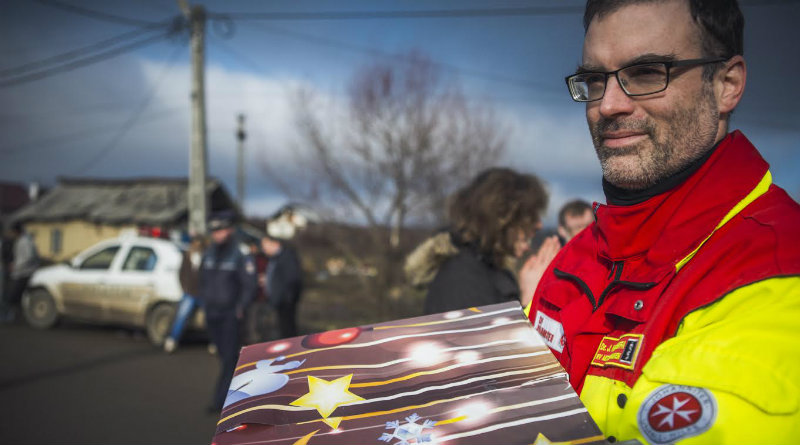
x: 677, y: 313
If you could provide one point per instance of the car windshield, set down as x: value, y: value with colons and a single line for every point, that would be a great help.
x: 140, y: 259
x: 100, y: 260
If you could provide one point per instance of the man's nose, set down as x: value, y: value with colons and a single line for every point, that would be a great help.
x: 615, y: 101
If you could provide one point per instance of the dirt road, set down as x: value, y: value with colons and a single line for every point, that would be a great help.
x: 91, y: 385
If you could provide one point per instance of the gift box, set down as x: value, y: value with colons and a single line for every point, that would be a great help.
x: 474, y: 376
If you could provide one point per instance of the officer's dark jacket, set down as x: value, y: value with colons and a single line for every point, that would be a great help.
x: 227, y: 278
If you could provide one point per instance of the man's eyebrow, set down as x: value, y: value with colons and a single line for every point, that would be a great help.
x: 643, y: 58
x: 589, y: 68
x: 650, y: 58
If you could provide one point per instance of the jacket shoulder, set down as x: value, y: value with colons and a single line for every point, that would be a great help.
x: 777, y: 214
x: 424, y: 261
x: 762, y: 241
x: 464, y: 281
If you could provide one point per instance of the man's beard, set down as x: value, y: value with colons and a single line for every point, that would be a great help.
x: 671, y: 144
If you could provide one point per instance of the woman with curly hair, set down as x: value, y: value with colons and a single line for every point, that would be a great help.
x: 491, y: 223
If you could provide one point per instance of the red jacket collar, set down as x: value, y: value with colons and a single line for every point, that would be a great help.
x: 669, y: 226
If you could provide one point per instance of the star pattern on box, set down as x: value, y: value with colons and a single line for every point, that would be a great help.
x: 408, y: 433
x: 467, y: 376
x: 325, y: 396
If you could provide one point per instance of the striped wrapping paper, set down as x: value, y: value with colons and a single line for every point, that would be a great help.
x: 475, y: 376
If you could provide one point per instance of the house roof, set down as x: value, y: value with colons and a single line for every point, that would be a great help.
x: 151, y: 201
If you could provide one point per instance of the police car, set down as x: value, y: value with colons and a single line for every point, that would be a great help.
x: 130, y: 280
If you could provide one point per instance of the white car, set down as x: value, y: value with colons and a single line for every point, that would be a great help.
x: 128, y: 280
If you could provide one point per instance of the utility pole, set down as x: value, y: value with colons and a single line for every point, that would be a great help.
x: 240, y: 172
x: 198, y: 157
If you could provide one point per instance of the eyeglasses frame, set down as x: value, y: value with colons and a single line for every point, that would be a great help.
x: 668, y: 64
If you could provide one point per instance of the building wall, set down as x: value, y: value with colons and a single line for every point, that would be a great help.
x: 75, y: 236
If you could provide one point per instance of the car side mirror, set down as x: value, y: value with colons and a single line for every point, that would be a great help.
x: 74, y: 263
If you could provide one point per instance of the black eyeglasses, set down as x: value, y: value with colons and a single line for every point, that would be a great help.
x: 639, y: 79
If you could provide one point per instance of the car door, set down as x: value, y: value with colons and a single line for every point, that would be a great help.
x: 132, y: 286
x: 85, y: 286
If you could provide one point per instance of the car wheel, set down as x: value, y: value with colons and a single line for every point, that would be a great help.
x: 159, y: 320
x: 40, y: 309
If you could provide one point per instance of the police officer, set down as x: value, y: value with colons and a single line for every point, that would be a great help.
x: 227, y: 285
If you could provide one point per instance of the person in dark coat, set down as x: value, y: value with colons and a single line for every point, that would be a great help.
x: 259, y: 323
x: 227, y: 286
x: 473, y: 263
x: 284, y: 282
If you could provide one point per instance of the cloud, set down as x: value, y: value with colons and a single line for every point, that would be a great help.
x: 551, y: 142
x: 555, y: 146
x: 59, y: 127
x: 73, y: 126
x: 269, y: 127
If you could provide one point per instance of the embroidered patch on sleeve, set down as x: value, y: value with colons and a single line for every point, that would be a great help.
x: 674, y: 412
x: 620, y: 352
x: 551, y: 331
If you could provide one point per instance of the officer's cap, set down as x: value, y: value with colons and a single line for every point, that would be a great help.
x: 221, y: 220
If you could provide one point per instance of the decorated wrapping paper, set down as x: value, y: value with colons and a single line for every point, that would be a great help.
x: 474, y: 376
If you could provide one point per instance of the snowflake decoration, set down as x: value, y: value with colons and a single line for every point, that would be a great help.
x: 408, y: 433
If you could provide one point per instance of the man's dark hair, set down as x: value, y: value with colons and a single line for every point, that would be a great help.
x: 721, y: 25
x: 489, y: 212
x: 573, y: 208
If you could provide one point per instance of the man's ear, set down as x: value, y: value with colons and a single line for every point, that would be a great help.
x: 563, y: 232
x: 730, y: 82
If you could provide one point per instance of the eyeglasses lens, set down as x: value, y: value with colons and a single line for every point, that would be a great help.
x: 635, y: 80
x: 644, y: 79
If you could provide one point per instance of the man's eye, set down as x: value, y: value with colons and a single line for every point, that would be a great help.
x: 646, y: 71
x: 594, y: 79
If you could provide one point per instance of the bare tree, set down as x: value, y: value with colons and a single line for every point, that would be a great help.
x: 405, y: 140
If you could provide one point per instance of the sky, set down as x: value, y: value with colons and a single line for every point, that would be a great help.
x: 129, y: 115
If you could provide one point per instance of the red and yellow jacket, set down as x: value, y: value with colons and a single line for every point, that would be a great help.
x: 678, y: 319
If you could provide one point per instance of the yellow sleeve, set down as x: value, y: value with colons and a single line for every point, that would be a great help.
x: 729, y: 376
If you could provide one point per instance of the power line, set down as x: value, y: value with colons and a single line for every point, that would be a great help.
x: 81, y: 62
x: 376, y: 52
x: 434, y: 13
x: 66, y: 56
x: 97, y: 15
x: 241, y: 58
x: 63, y: 139
x: 404, y: 14
x: 73, y: 110
x: 127, y: 125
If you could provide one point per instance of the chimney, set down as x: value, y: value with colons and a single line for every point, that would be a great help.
x: 33, y: 191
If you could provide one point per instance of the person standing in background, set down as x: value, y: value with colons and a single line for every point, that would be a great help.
x: 573, y: 217
x: 259, y: 320
x: 6, y: 260
x: 189, y: 276
x: 25, y: 262
x: 492, y: 220
x: 284, y: 282
x: 227, y: 286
